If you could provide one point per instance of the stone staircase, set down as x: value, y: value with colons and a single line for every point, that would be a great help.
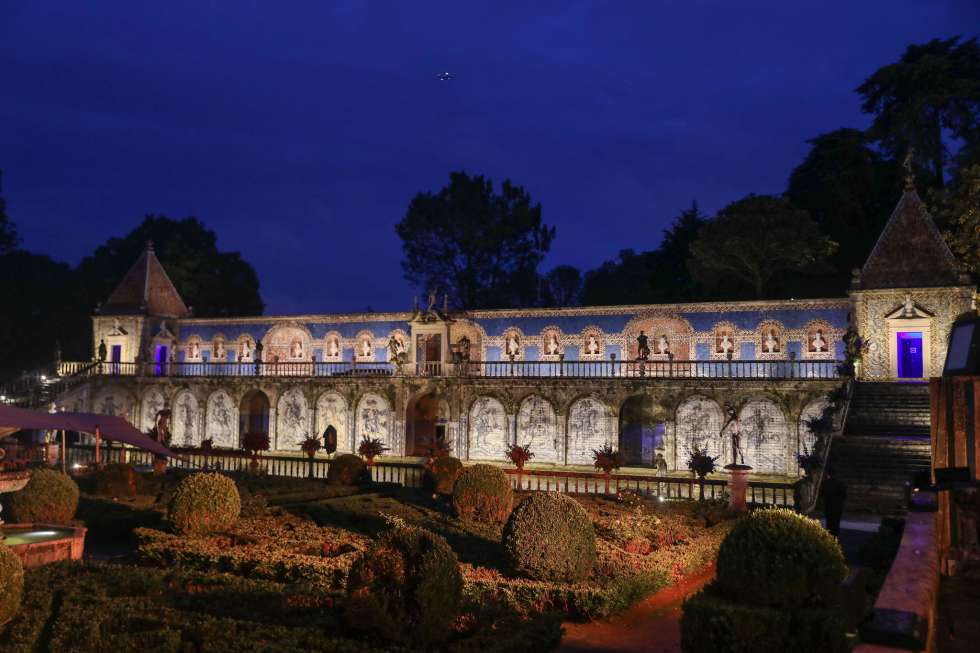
x: 885, y: 444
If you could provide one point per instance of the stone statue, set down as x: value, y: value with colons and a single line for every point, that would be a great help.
x: 464, y: 348
x: 772, y: 345
x: 432, y: 301
x: 513, y: 347
x: 661, y: 463
x: 246, y: 354
x: 552, y: 345
x: 161, y: 424
x: 297, y: 349
x: 642, y: 348
x: 396, y: 349
x: 819, y: 344
x: 102, y: 350
x: 195, y: 352
x: 258, y: 350
x: 593, y: 347
x: 731, y: 420
x: 365, y: 348
x: 334, y: 349
x: 908, y: 308
x: 726, y: 343
x: 219, y: 350
x: 663, y: 347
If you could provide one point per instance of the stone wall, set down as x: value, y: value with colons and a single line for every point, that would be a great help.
x: 562, y: 419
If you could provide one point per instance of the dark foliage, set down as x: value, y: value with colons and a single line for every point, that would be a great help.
x: 406, y: 588
x: 117, y: 480
x: 483, y: 494
x: 481, y: 247
x: 442, y: 473
x: 204, y: 503
x: 11, y: 584
x: 347, y: 469
x: 549, y: 536
x: 50, y: 497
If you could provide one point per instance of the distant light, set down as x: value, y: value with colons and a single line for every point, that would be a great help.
x: 44, y: 378
x: 661, y: 499
x: 77, y: 466
x: 3, y: 397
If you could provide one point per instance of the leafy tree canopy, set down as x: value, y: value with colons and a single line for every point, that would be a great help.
x: 957, y: 209
x: 8, y: 232
x: 214, y: 283
x: 562, y: 287
x: 927, y: 98
x: 753, y: 243
x: 849, y: 190
x: 480, y: 246
x: 660, y: 275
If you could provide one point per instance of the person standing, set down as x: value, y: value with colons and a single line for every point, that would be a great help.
x: 834, y: 492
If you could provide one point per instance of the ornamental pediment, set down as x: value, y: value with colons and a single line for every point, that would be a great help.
x: 908, y: 310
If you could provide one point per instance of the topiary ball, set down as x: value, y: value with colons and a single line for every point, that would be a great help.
x: 407, y: 588
x: 204, y: 503
x: 780, y: 559
x: 49, y: 497
x: 483, y: 494
x: 347, y: 469
x: 117, y: 480
x: 549, y: 536
x: 442, y: 474
x: 11, y: 584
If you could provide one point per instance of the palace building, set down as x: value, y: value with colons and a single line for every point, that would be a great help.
x: 565, y: 381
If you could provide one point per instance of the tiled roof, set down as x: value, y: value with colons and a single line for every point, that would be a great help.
x: 146, y: 289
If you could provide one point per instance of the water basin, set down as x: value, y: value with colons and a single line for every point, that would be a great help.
x: 15, y: 536
x: 40, y: 544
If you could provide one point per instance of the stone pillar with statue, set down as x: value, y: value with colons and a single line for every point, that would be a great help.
x: 738, y: 472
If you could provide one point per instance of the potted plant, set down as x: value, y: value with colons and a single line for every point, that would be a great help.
x: 607, y: 459
x: 701, y: 464
x: 253, y: 443
x: 370, y: 448
x: 519, y: 455
x: 310, y: 445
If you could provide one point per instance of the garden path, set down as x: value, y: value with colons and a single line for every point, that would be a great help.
x: 651, y: 626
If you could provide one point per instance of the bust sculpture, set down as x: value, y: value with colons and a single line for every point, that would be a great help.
x: 552, y: 345
x: 819, y: 344
x: 726, y: 343
x: 772, y: 345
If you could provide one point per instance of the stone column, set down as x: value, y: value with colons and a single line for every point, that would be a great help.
x: 738, y: 481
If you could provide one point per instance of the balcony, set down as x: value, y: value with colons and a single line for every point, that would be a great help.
x: 598, y: 369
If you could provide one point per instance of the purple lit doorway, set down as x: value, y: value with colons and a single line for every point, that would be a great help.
x: 161, y: 360
x: 909, y: 348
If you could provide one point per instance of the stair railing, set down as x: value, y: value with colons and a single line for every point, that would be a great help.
x: 837, y: 432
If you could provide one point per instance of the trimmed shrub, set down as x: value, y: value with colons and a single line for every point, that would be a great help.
x: 117, y: 480
x: 442, y: 474
x: 204, y: 503
x: 483, y: 494
x: 407, y: 588
x: 11, y: 584
x: 347, y: 469
x: 711, y: 624
x: 549, y: 536
x: 49, y: 497
x: 780, y: 559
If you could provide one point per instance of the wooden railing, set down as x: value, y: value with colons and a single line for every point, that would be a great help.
x: 713, y: 369
x: 410, y: 474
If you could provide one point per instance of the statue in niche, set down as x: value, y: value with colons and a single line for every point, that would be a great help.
x: 102, y: 350
x: 296, y: 349
x: 663, y: 347
x: 258, y: 350
x: 432, y: 301
x: 464, y: 348
x: 366, y: 348
x: 725, y: 344
x: 161, y: 427
x: 333, y: 349
x: 772, y: 343
x: 552, y: 344
x: 195, y: 351
x: 219, y: 350
x: 908, y: 308
x: 593, y: 346
x: 642, y: 348
x: 818, y: 343
x: 661, y: 464
x: 396, y: 349
x: 513, y: 346
x: 246, y: 352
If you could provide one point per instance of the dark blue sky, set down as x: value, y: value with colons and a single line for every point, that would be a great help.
x: 300, y: 131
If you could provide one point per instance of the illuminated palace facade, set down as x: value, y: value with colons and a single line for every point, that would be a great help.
x: 565, y: 381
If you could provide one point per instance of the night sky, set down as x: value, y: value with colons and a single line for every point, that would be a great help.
x: 299, y: 132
